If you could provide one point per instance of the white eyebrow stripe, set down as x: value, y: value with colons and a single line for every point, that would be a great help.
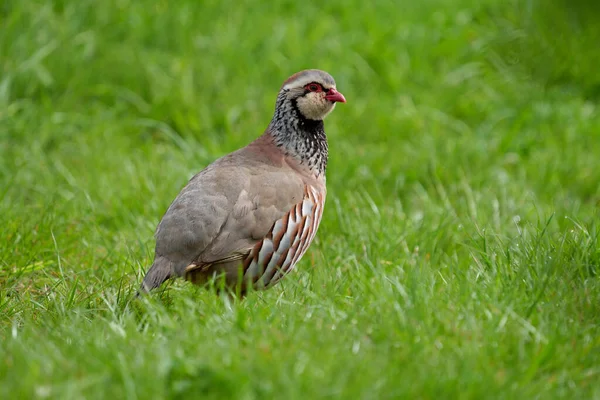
x: 305, y: 80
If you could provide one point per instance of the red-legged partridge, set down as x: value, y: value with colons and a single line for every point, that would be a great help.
x: 250, y: 215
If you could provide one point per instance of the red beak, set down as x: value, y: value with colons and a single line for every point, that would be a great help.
x: 333, y: 96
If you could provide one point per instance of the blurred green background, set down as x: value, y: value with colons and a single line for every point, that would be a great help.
x: 458, y: 253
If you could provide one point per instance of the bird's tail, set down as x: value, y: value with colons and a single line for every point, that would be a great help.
x: 159, y: 272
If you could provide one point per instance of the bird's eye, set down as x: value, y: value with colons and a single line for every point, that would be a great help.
x: 313, y: 87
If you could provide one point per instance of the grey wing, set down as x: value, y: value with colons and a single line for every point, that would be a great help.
x: 262, y: 201
x: 221, y: 212
x: 191, y: 222
x: 189, y: 225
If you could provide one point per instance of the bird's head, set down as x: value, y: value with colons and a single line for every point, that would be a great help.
x: 312, y: 92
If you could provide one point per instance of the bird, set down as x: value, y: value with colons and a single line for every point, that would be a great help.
x: 249, y: 217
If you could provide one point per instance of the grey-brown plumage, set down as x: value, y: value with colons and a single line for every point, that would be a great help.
x: 254, y: 212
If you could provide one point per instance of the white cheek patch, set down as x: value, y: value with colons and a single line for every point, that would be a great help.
x: 314, y: 105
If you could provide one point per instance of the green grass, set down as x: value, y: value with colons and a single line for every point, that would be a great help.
x: 459, y: 251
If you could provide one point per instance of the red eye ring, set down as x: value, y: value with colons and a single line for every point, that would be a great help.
x: 313, y: 87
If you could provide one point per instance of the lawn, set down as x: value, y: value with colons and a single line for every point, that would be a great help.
x: 459, y: 251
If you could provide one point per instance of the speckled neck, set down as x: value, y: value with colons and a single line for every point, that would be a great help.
x: 298, y: 136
